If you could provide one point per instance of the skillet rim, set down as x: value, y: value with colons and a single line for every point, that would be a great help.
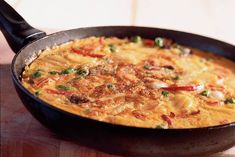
x: 17, y: 81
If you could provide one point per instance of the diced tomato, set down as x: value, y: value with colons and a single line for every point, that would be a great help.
x: 195, y: 112
x: 101, y: 40
x: 63, y: 77
x: 180, y: 88
x: 148, y: 42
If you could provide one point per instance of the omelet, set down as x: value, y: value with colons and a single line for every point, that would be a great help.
x: 135, y: 82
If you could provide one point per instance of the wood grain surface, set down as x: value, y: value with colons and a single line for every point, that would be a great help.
x: 23, y: 136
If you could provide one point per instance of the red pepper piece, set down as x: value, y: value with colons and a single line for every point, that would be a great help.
x: 101, y: 40
x: 167, y: 119
x: 138, y: 115
x: 178, y: 88
x: 81, y: 51
x: 212, y: 102
x: 149, y: 42
x: 95, y: 55
x: 42, y: 82
x: 87, y: 52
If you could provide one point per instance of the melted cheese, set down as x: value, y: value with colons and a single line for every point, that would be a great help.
x: 122, y: 82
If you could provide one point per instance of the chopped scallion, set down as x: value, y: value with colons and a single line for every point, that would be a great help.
x: 112, y: 48
x: 160, y: 127
x: 110, y: 86
x: 159, y: 42
x: 229, y: 101
x: 68, y: 71
x: 37, y: 74
x: 176, y: 78
x: 205, y: 93
x: 147, y: 67
x: 165, y: 93
x: 83, y: 72
x: 53, y: 72
x: 37, y: 93
x: 136, y: 39
x: 62, y: 87
x: 87, y: 111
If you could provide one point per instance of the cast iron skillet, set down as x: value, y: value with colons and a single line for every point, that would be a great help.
x: 114, y: 139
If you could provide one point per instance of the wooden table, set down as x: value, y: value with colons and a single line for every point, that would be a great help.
x: 24, y: 136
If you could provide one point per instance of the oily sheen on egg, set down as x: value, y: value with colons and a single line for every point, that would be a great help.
x: 151, y: 83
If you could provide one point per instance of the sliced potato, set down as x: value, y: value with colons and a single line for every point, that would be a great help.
x: 185, y: 103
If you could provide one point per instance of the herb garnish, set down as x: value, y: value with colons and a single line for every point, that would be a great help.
x: 136, y: 39
x: 165, y: 93
x: 112, y: 48
x: 68, y: 71
x: 110, y: 85
x: 147, y: 67
x: 159, y: 42
x: 62, y: 87
x: 176, y: 78
x: 205, y: 93
x: 37, y: 93
x: 53, y: 72
x: 36, y: 74
x: 83, y: 72
x: 229, y: 101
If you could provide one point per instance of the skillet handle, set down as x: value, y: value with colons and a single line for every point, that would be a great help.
x: 16, y: 30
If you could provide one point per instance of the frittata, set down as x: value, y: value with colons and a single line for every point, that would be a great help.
x: 151, y: 83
